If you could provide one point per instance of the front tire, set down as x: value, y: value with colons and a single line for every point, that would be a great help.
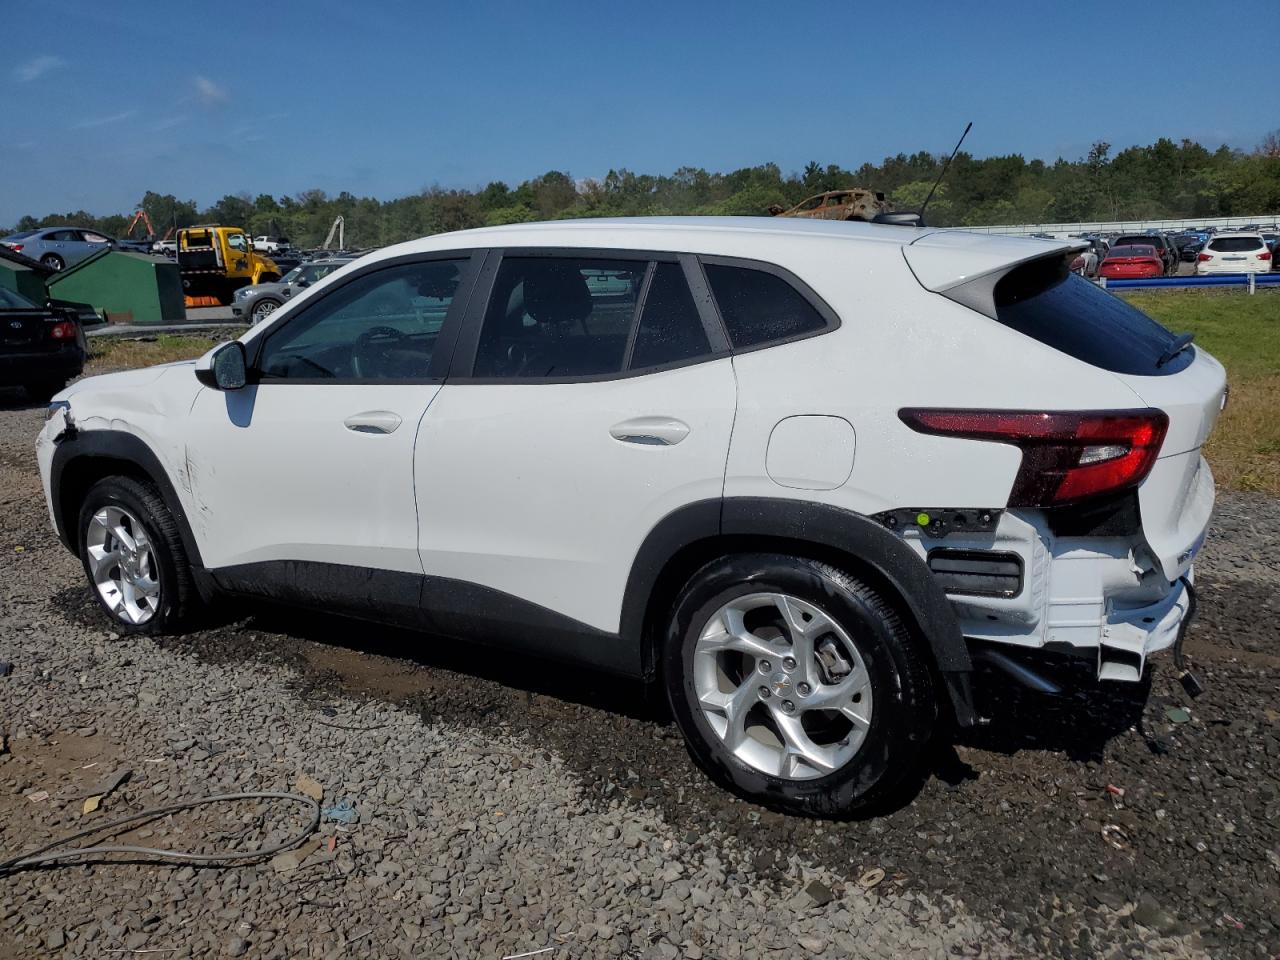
x: 796, y: 685
x: 133, y: 556
x: 263, y: 309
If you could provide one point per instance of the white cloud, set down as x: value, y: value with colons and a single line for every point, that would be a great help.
x: 103, y: 121
x: 168, y: 123
x: 210, y: 94
x: 37, y: 68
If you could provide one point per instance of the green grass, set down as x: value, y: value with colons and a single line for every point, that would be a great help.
x: 1243, y: 332
x: 117, y: 353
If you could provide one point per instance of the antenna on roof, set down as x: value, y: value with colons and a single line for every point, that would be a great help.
x: 945, y: 167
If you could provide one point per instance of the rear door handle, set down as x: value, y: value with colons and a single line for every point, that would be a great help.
x: 653, y: 431
x: 373, y: 421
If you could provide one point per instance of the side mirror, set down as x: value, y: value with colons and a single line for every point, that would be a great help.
x: 301, y: 282
x: 223, y: 367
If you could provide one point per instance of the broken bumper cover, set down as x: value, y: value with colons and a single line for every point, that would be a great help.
x: 1132, y: 634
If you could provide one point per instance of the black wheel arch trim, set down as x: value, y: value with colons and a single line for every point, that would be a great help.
x: 72, y: 448
x: 825, y: 526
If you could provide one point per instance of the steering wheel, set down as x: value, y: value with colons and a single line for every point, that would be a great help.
x: 372, y: 351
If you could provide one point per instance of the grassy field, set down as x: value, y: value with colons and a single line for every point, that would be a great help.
x: 117, y: 353
x: 1240, y: 330
x: 1244, y: 333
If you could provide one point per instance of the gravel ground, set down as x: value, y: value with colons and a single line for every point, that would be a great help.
x: 507, y: 805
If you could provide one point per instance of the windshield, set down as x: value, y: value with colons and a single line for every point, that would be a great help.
x: 10, y: 300
x: 292, y: 275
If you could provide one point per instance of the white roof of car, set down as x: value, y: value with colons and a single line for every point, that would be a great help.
x: 1251, y: 234
x: 939, y: 258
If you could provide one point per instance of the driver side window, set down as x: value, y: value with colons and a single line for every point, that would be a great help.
x: 379, y: 326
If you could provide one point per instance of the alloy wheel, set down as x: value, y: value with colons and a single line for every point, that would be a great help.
x: 783, y: 685
x: 122, y: 564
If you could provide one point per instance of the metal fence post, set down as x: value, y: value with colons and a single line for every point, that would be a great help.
x: 1253, y: 282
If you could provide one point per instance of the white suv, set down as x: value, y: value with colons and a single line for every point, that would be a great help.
x: 804, y: 474
x: 1234, y: 253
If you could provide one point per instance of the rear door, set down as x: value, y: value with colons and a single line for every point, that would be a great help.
x: 590, y: 398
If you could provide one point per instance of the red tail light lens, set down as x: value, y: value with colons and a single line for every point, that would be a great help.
x: 1066, y: 457
x: 1204, y: 256
x: 1265, y: 256
x: 65, y: 330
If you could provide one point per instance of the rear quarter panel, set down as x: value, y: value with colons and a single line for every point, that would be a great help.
x: 899, y: 346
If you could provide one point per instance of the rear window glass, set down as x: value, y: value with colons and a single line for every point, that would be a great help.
x: 1131, y: 252
x: 760, y: 307
x: 1047, y: 303
x: 1139, y: 241
x: 1235, y: 244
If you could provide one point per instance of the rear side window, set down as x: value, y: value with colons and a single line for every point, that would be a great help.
x: 759, y: 307
x: 1235, y: 244
x: 1044, y: 301
x: 670, y: 329
x: 559, y: 317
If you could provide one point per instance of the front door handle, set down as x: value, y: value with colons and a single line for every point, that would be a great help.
x: 373, y: 421
x: 653, y: 431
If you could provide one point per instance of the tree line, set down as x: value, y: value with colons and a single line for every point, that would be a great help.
x: 1162, y: 180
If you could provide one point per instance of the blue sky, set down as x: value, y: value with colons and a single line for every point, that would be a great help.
x: 102, y: 101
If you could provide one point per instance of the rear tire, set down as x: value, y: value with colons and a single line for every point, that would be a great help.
x: 53, y: 262
x: 838, y: 743
x: 132, y: 553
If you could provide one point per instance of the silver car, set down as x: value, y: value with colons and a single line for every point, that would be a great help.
x: 263, y: 299
x: 57, y: 247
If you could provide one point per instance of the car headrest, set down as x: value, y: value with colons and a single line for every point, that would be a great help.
x: 555, y: 293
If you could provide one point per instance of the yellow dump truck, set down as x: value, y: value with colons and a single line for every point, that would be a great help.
x: 216, y: 261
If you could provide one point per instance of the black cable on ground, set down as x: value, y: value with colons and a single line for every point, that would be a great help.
x: 48, y: 853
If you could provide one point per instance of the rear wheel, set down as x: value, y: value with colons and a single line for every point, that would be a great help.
x: 796, y: 684
x: 53, y: 261
x: 134, y: 558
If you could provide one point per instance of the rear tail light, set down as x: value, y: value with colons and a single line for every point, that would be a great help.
x: 1065, y: 456
x: 1265, y: 256
x: 1204, y: 256
x: 63, y: 330
x: 16, y: 247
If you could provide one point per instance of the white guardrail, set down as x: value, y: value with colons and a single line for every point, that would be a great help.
x: 1064, y: 230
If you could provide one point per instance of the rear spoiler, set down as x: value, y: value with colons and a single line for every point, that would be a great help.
x: 965, y: 267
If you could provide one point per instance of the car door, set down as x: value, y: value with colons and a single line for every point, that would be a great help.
x: 303, y: 479
x: 590, y: 398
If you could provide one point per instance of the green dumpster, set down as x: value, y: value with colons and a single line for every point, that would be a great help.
x: 123, y: 287
x: 24, y: 277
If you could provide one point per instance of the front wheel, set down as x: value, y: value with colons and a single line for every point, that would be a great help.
x: 796, y: 685
x: 263, y: 309
x: 134, y: 558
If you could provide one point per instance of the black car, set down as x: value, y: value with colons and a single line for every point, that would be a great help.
x: 41, y: 348
x: 1188, y: 244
